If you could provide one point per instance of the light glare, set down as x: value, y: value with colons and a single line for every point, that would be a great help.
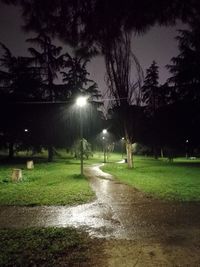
x: 81, y: 101
x: 104, y: 131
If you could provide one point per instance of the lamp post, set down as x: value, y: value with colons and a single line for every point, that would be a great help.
x: 187, y: 148
x: 81, y: 101
x: 122, y: 142
x: 104, y: 144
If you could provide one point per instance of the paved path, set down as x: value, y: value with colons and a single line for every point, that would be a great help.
x: 119, y: 211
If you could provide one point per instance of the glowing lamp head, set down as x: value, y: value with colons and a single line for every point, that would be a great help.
x: 104, y: 131
x: 81, y: 101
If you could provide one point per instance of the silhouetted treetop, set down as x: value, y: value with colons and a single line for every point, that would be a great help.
x: 93, y: 20
x: 185, y: 70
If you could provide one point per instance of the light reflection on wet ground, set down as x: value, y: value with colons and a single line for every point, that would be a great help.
x: 118, y: 212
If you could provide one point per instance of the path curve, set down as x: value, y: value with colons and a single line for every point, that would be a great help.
x: 120, y: 211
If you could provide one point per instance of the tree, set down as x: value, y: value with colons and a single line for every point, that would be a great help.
x: 123, y: 88
x: 103, y: 26
x: 18, y: 79
x: 185, y: 80
x: 157, y: 100
x: 150, y: 89
x: 75, y: 78
x: 185, y: 68
x: 150, y: 97
x: 18, y: 82
x: 49, y: 60
x: 73, y: 19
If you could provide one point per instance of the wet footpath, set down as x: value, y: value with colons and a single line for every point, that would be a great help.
x: 138, y: 229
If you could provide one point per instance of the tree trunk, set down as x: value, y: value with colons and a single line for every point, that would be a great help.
x: 30, y: 165
x: 16, y: 175
x: 50, y: 153
x: 129, y: 151
x: 161, y: 153
x: 11, y: 150
x: 155, y: 152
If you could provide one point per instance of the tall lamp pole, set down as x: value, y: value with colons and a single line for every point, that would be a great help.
x: 104, y: 144
x: 122, y: 140
x: 81, y: 102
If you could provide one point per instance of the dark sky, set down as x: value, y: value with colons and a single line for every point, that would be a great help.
x: 157, y: 44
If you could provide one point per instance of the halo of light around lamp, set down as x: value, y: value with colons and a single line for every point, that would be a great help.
x: 81, y: 101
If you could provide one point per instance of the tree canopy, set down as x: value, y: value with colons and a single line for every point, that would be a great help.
x: 101, y: 26
x: 95, y: 20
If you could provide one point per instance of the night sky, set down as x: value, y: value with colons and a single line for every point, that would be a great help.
x: 157, y: 44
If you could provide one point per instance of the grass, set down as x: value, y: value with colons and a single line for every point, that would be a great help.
x: 44, y: 247
x: 57, y: 183
x: 179, y: 180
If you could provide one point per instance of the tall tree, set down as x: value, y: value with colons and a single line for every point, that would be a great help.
x: 71, y: 18
x: 19, y: 82
x: 124, y: 85
x: 103, y: 25
x: 18, y: 79
x: 150, y: 96
x: 185, y: 68
x: 150, y: 89
x: 76, y: 77
x: 155, y: 97
x: 185, y: 81
x: 49, y: 60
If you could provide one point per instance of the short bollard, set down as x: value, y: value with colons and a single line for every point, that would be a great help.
x: 30, y: 165
x: 16, y: 175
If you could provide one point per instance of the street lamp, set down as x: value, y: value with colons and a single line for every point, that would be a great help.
x: 104, y: 144
x: 104, y: 131
x: 187, y: 148
x: 123, y: 143
x: 81, y: 101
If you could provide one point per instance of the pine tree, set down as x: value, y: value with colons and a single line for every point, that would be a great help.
x: 150, y: 89
x: 185, y: 68
x: 49, y: 60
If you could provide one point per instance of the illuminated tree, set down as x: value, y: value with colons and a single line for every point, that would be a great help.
x: 124, y: 86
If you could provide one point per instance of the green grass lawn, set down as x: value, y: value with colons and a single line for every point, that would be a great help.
x: 179, y: 180
x: 57, y: 183
x: 44, y: 247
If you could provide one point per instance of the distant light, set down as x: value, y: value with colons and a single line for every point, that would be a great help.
x: 81, y: 101
x: 26, y: 130
x: 187, y: 141
x: 104, y: 131
x: 103, y: 137
x: 122, y: 138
